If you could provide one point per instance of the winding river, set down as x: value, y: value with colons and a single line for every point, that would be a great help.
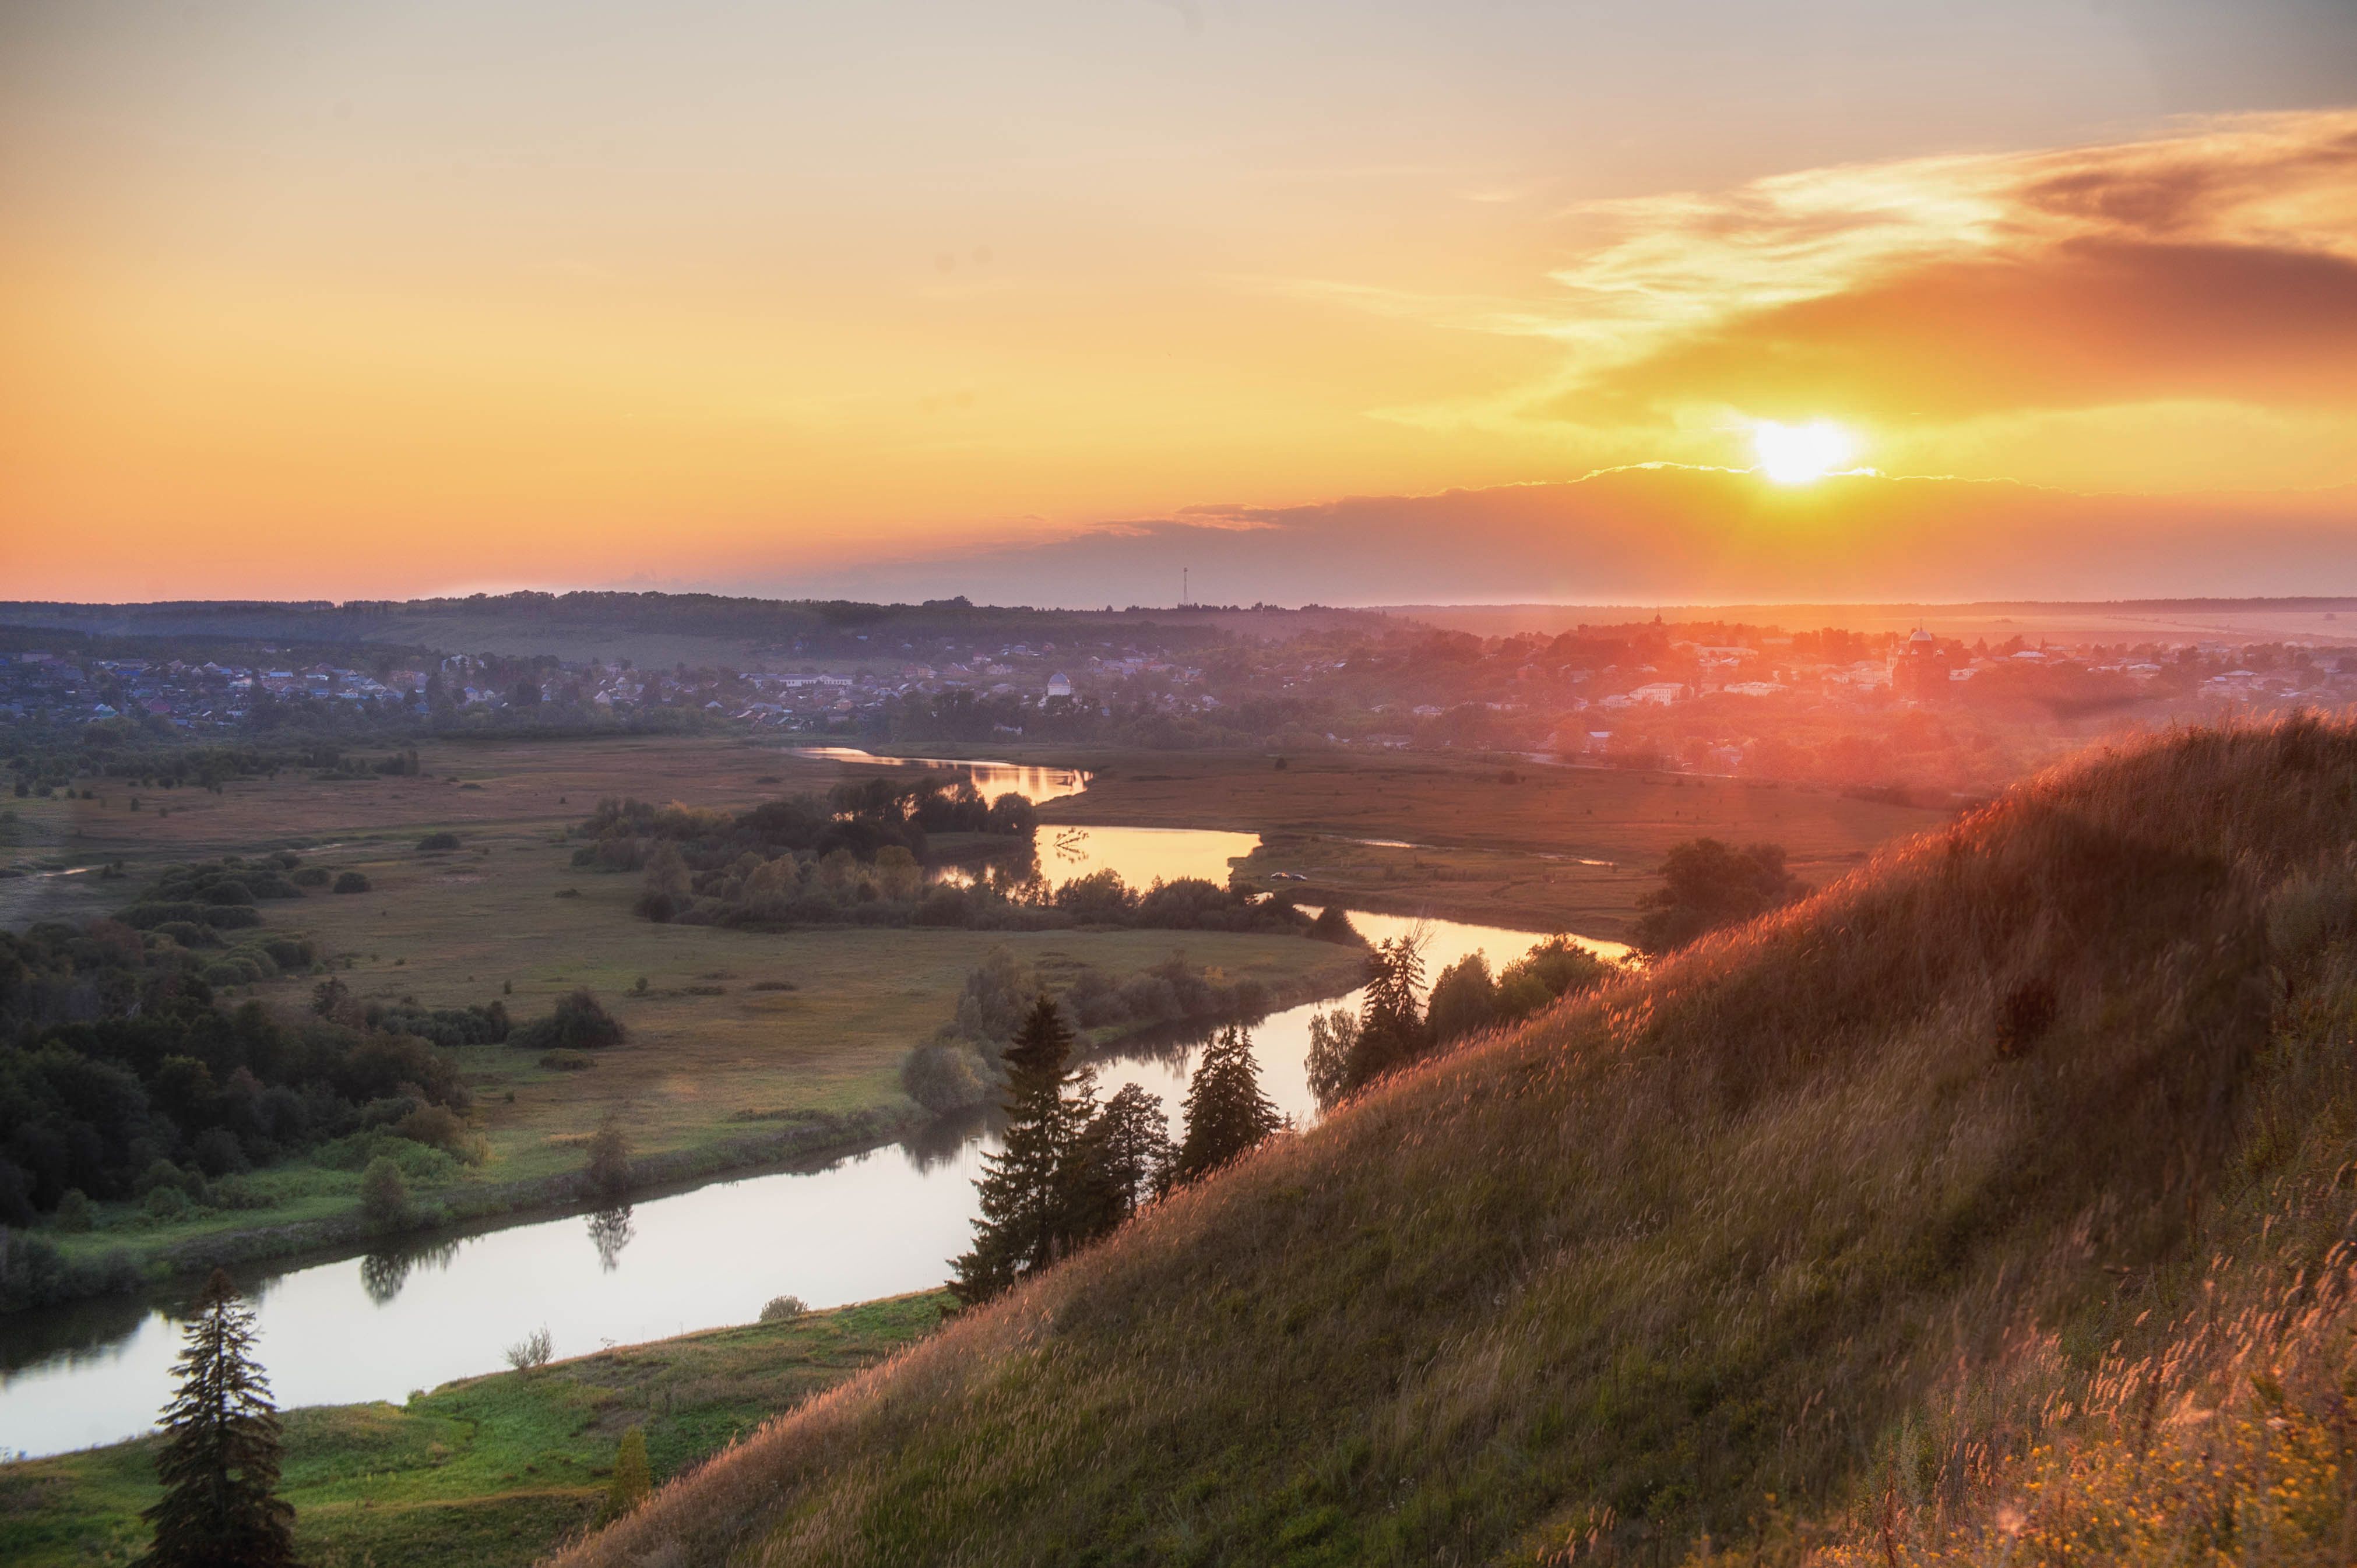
x: 854, y: 1228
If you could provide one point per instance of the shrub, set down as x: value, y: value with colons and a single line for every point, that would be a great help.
x: 33, y: 1273
x: 633, y: 1480
x: 943, y: 1078
x: 531, y: 1353
x: 385, y: 1196
x: 433, y: 842
x: 74, y: 1214
x: 782, y: 1309
x: 608, y: 1170
x: 167, y: 1203
x: 438, y: 1127
x: 578, y: 1022
x: 1334, y: 925
x: 190, y: 934
x: 289, y: 952
x: 310, y: 876
x: 568, y: 1062
x: 352, y: 882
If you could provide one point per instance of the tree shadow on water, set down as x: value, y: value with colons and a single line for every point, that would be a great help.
x: 383, y: 1273
x: 611, y: 1230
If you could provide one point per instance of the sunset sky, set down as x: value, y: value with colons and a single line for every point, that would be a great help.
x: 377, y: 300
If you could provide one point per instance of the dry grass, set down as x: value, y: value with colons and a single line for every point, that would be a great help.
x: 1725, y: 1234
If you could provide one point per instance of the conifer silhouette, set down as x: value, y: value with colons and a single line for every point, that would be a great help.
x: 220, y: 1462
x: 1025, y: 1221
x: 1227, y: 1114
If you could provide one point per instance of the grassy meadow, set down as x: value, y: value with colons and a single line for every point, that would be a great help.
x: 739, y: 1042
x: 487, y: 1472
x: 1991, y: 1207
x: 1558, y: 849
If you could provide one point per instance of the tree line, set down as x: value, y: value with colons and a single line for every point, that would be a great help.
x: 1073, y: 1168
x: 1398, y: 1024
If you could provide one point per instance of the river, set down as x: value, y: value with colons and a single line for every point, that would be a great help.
x: 864, y: 1225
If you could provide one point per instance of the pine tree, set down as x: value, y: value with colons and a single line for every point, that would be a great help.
x: 220, y: 1462
x: 1227, y: 1115
x: 1121, y: 1159
x: 1027, y: 1221
x: 1392, y: 1031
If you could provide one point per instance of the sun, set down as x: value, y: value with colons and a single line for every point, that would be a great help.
x: 1796, y: 454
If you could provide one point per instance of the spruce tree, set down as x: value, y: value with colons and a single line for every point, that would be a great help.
x: 1227, y: 1114
x: 1392, y: 1029
x: 1121, y: 1159
x: 220, y: 1462
x: 1027, y: 1219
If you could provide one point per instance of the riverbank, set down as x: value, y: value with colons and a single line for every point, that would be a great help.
x: 105, y: 1261
x: 1487, y: 840
x: 170, y: 1259
x: 491, y: 1472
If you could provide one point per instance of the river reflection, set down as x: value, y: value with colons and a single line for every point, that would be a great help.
x: 869, y: 1225
x: 993, y: 779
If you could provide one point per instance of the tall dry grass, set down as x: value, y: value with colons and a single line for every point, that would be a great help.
x: 1861, y: 1192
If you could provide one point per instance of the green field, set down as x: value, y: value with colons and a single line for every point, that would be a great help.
x: 485, y: 1472
x: 741, y: 1044
x: 1558, y: 849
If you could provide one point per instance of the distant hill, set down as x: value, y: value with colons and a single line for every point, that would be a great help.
x: 1827, y: 1232
x: 652, y: 628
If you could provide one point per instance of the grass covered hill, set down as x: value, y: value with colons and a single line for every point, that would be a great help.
x: 1858, y: 1231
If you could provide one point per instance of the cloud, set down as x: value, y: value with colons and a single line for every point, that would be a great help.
x: 2219, y: 264
x: 1672, y: 533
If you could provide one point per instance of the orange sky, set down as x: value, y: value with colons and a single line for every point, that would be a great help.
x: 380, y: 301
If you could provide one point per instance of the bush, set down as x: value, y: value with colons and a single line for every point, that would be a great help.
x: 385, y: 1196
x: 633, y: 1479
x: 167, y: 1203
x: 74, y: 1214
x: 190, y: 934
x: 352, y: 882
x: 578, y: 1023
x: 532, y: 1352
x: 568, y: 1062
x: 782, y: 1309
x: 310, y: 876
x: 438, y: 1127
x: 608, y: 1170
x: 417, y: 1162
x: 943, y: 1078
x: 1334, y: 925
x: 33, y: 1273
x: 433, y: 842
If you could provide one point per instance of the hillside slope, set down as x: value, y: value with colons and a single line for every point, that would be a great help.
x: 1777, y: 1219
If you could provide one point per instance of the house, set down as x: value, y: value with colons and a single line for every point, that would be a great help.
x: 1662, y: 692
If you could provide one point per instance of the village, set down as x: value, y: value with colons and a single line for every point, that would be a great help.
x: 1833, y: 707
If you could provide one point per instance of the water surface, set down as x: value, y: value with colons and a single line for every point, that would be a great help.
x: 868, y: 1224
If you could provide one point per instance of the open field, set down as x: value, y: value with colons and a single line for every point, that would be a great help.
x: 488, y: 1471
x: 1560, y: 849
x: 738, y: 1039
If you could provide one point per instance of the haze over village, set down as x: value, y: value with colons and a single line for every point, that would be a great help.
x: 1188, y: 782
